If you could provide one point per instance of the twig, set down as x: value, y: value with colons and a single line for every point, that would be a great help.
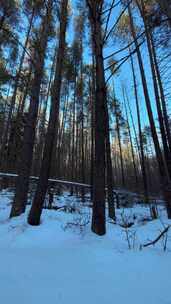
x: 158, y: 238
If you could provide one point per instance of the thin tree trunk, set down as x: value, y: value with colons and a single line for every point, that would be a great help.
x: 13, y: 99
x: 163, y: 101
x: 73, y: 134
x: 164, y: 178
x: 120, y: 144
x: 82, y: 128
x: 110, y: 179
x: 143, y: 166
x: 131, y: 143
x: 167, y: 154
x: 92, y: 98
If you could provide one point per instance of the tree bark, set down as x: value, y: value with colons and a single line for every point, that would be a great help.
x: 25, y: 158
x: 36, y: 209
x: 98, y: 217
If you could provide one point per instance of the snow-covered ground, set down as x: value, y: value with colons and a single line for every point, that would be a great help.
x: 61, y: 262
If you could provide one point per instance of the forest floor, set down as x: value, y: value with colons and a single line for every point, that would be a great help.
x: 62, y: 261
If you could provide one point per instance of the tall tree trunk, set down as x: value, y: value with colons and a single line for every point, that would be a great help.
x: 164, y: 177
x: 167, y: 154
x: 60, y: 146
x: 162, y: 96
x: 92, y: 97
x: 82, y: 127
x: 98, y: 217
x: 13, y: 99
x: 43, y: 121
x: 110, y: 179
x: 10, y: 161
x: 131, y: 142
x: 25, y: 159
x: 36, y: 209
x: 118, y: 131
x: 73, y: 133
x: 142, y: 158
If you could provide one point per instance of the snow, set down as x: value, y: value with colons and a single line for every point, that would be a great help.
x: 58, y: 262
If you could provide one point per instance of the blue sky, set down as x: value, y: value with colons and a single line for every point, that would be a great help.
x: 124, y: 76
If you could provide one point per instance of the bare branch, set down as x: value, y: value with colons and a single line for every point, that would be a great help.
x: 115, y: 24
x: 158, y: 238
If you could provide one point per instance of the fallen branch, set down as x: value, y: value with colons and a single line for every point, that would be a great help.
x: 158, y: 238
x: 54, y: 207
x: 70, y: 224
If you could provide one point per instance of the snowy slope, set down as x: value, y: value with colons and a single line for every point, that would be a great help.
x: 57, y: 263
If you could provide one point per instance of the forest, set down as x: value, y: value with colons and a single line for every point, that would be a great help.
x: 85, y: 151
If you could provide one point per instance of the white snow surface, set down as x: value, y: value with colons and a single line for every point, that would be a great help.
x: 60, y: 263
